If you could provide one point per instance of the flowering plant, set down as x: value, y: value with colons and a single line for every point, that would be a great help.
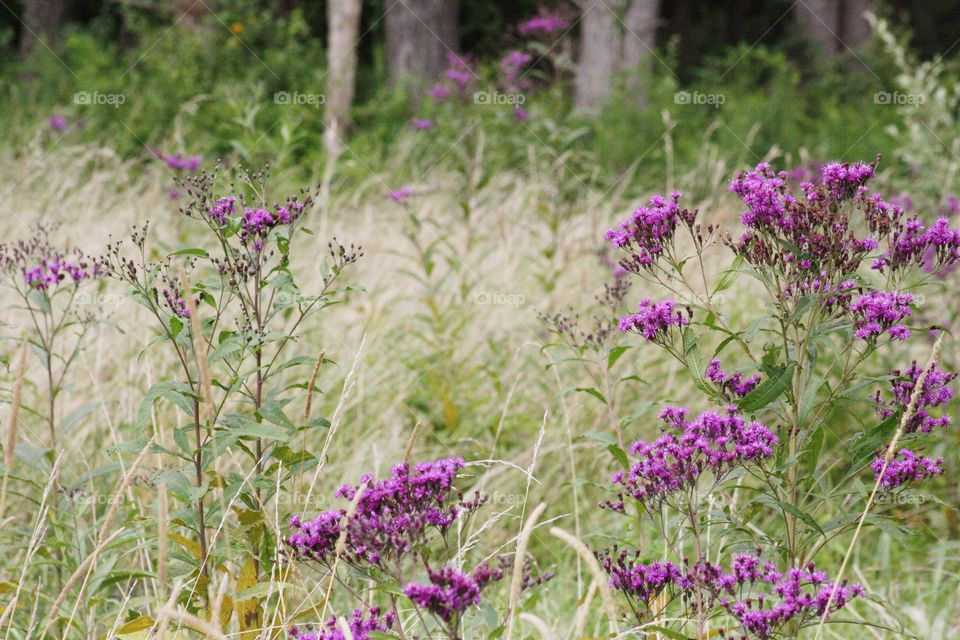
x: 837, y: 266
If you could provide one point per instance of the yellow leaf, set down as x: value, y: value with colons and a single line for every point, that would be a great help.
x: 248, y: 611
x: 186, y: 543
x: 138, y: 624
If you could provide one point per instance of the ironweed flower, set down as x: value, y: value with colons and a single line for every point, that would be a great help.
x: 450, y: 593
x: 675, y: 461
x: 936, y: 392
x: 394, y: 515
x: 649, y: 231
x: 730, y: 385
x: 361, y: 626
x: 545, y: 23
x: 905, y: 466
x: 653, y: 320
x: 877, y: 312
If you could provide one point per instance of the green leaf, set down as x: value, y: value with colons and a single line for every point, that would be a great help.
x: 768, y: 391
x: 192, y: 251
x: 615, y: 354
x: 593, y: 392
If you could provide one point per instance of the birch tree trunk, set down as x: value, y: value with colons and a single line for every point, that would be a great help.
x: 420, y: 35
x: 343, y: 18
x: 615, y: 36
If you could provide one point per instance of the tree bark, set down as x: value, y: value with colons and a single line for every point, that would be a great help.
x: 42, y: 20
x: 420, y: 36
x: 343, y: 19
x: 615, y: 36
x: 834, y: 26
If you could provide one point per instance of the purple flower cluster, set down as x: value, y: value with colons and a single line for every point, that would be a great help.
x: 511, y: 64
x: 800, y: 596
x: 421, y: 124
x: 936, y: 392
x: 392, y: 517
x: 256, y: 224
x: 761, y: 598
x: 649, y: 230
x: 675, y: 461
x: 841, y: 180
x: 450, y: 593
x: 400, y: 195
x: 907, y: 465
x: 361, y: 626
x: 179, y: 162
x: 765, y: 194
x: 654, y: 319
x: 58, y: 123
x: 53, y: 269
x: 222, y: 209
x: 545, y: 23
x: 877, y: 312
x: 731, y: 385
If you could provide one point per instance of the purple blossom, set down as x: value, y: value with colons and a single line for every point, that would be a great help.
x: 421, y: 124
x: 439, y: 92
x: 178, y: 162
x: 400, y: 195
x: 521, y: 114
x: 731, y: 385
x: 511, y: 64
x: 653, y: 320
x: 842, y: 180
x: 936, y: 392
x: 545, y: 23
x: 222, y: 209
x: 765, y: 194
x: 361, y: 626
x: 58, y: 123
x: 879, y: 311
x: 393, y: 516
x: 650, y: 230
x: 53, y: 269
x: 450, y: 593
x: 676, y: 460
x: 905, y: 466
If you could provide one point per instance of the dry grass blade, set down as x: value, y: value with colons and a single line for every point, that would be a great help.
x: 543, y: 630
x: 521, y: 555
x: 606, y: 596
x: 199, y: 346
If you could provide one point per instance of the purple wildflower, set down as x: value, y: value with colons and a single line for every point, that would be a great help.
x: 730, y: 385
x: 450, y: 593
x: 905, y: 466
x: 178, y: 162
x: 545, y: 23
x: 675, y: 461
x: 400, y: 195
x: 393, y: 516
x: 222, y: 209
x: 439, y: 92
x: 649, y: 230
x: 521, y: 114
x: 653, y: 320
x: 58, y: 123
x: 361, y: 626
x: 879, y: 311
x: 421, y: 124
x: 936, y: 392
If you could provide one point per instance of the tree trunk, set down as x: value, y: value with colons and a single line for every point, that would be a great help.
x: 42, y: 20
x: 420, y: 36
x: 615, y: 36
x: 835, y: 26
x: 343, y: 19
x: 820, y: 22
x: 855, y: 30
